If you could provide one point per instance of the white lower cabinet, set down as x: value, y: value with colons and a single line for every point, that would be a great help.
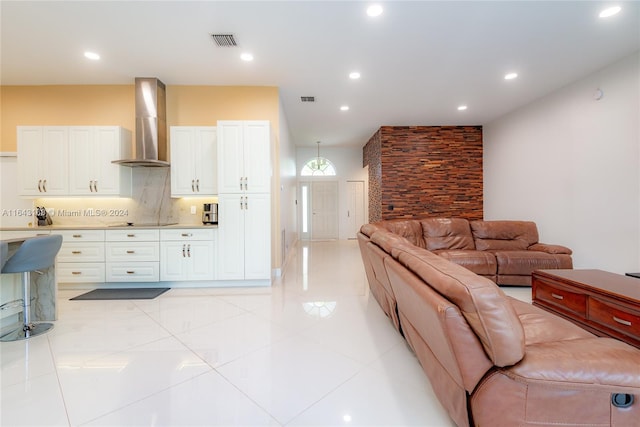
x: 81, y: 257
x: 244, y: 237
x: 187, y: 254
x: 132, y: 255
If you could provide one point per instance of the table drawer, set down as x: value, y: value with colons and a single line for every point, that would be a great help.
x: 133, y: 272
x: 139, y: 251
x: 81, y: 235
x: 561, y: 298
x: 614, y: 316
x: 81, y: 252
x: 86, y: 272
x: 145, y: 235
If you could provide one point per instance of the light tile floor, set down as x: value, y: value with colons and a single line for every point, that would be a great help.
x: 314, y: 349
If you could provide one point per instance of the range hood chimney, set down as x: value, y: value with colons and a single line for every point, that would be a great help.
x: 151, y: 125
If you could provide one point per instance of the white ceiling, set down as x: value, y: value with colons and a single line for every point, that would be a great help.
x: 419, y: 60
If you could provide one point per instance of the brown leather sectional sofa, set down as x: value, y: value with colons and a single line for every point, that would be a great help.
x: 503, y: 251
x: 493, y: 360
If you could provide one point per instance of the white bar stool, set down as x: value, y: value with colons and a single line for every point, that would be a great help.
x: 34, y: 254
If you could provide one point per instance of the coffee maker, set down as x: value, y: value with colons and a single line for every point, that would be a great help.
x: 210, y: 213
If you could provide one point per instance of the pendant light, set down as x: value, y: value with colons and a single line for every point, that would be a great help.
x: 320, y: 162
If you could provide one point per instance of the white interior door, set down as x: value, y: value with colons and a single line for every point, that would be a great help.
x: 355, y: 207
x: 324, y: 209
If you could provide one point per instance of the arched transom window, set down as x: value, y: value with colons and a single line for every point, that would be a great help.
x: 318, y: 166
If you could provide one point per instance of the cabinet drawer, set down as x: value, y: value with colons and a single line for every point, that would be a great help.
x: 138, y: 251
x: 81, y: 235
x: 86, y: 272
x: 614, y: 316
x: 133, y: 272
x: 561, y: 298
x: 133, y: 235
x: 187, y: 234
x: 81, y: 252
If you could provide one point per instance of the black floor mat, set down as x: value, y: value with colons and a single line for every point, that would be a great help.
x: 123, y: 293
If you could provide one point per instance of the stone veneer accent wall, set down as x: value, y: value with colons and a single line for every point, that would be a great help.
x: 425, y: 171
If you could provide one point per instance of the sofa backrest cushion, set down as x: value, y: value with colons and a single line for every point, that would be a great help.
x: 447, y: 233
x: 388, y: 240
x: 410, y: 229
x: 504, y: 235
x: 483, y: 304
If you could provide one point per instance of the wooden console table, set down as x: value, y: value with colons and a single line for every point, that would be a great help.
x: 604, y: 303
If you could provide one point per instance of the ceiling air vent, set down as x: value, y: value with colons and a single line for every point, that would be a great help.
x: 224, y: 40
x: 308, y: 98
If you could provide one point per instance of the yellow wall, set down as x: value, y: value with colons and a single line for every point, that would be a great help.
x: 114, y: 105
x: 63, y: 105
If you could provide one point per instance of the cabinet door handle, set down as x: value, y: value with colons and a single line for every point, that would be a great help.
x: 76, y: 252
x: 131, y: 252
x: 91, y: 186
x: 622, y: 321
x: 39, y: 186
x: 556, y: 296
x: 187, y: 234
x: 131, y: 272
x: 246, y: 183
x: 246, y: 203
x: 183, y: 254
x: 189, y: 251
x: 131, y: 235
x: 95, y: 185
x: 75, y: 273
x: 193, y: 188
x: 44, y: 185
x: 198, y: 185
x: 77, y: 236
x: 240, y: 183
x: 241, y: 203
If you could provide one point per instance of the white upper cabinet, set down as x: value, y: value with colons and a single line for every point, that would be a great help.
x: 244, y: 160
x: 91, y: 151
x: 73, y: 161
x: 193, y: 161
x: 43, y: 160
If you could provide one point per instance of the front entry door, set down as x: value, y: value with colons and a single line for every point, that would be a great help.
x: 324, y: 208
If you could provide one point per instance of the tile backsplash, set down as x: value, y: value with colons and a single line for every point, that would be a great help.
x: 150, y: 202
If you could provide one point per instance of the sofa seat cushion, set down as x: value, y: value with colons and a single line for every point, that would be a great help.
x: 447, y: 233
x: 581, y: 363
x: 483, y: 263
x: 483, y: 304
x: 541, y: 326
x: 523, y: 263
x: 504, y: 235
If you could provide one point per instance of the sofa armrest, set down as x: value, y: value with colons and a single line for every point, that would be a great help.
x: 550, y: 249
x: 593, y: 363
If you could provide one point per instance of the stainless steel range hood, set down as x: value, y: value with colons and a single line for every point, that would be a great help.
x: 151, y: 125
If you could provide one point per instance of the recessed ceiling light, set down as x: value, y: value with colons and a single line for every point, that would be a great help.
x: 462, y: 108
x: 610, y: 11
x: 92, y: 55
x: 344, y: 108
x: 354, y: 75
x: 374, y: 10
x: 510, y: 76
x: 246, y: 57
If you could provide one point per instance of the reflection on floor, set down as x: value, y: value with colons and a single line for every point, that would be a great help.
x: 315, y: 349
